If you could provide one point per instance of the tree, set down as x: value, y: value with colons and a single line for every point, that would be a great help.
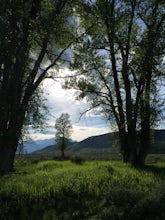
x: 119, y: 62
x: 35, y: 118
x: 34, y: 36
x: 37, y: 112
x: 63, y: 131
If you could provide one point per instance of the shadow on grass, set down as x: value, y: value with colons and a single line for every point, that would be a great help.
x: 154, y: 169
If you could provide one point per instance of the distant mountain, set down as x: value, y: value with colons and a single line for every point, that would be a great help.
x: 158, y: 141
x: 51, y: 148
x: 107, y: 142
x: 101, y: 142
x: 30, y: 146
x: 96, y: 143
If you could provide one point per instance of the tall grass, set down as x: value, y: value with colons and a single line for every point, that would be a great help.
x: 92, y: 190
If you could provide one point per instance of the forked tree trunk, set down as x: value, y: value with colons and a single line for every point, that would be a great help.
x: 128, y: 145
x: 133, y: 152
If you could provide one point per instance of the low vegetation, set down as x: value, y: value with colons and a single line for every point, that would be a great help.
x: 88, y: 190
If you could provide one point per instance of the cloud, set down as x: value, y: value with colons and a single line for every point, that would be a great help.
x: 81, y: 133
x: 63, y: 101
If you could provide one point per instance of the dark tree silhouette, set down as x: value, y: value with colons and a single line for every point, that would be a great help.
x: 120, y: 60
x: 34, y: 36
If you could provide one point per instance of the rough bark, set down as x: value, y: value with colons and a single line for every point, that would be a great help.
x: 7, y: 154
x: 8, y: 144
x: 124, y: 145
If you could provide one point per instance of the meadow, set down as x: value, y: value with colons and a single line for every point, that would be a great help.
x: 80, y: 189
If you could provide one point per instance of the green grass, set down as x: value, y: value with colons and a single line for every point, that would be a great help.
x: 91, y: 190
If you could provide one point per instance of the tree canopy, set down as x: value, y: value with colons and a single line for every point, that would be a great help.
x: 63, y: 128
x: 34, y: 36
x: 120, y: 60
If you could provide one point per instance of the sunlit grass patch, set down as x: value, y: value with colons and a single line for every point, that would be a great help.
x: 63, y: 188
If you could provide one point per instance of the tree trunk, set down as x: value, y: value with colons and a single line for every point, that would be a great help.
x: 62, y: 153
x: 144, y: 138
x: 9, y: 139
x: 124, y: 145
x: 129, y: 146
x: 8, y: 147
x: 132, y: 143
x: 144, y: 146
x: 62, y: 147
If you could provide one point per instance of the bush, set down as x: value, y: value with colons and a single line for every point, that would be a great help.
x: 77, y: 159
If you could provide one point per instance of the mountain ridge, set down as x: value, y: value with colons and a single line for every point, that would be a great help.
x: 106, y: 142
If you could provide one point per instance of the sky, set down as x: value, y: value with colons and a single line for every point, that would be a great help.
x: 63, y: 101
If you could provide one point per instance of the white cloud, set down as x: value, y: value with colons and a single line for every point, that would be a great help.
x: 63, y: 101
x: 81, y: 133
x: 60, y: 100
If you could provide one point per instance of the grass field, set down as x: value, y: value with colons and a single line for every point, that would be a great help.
x: 112, y: 190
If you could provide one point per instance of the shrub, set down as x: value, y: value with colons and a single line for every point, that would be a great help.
x: 48, y: 165
x: 77, y: 159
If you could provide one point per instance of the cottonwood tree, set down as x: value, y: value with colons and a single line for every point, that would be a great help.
x: 120, y: 60
x: 35, y: 118
x: 63, y: 128
x: 34, y: 36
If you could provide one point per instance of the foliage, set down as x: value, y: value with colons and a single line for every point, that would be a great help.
x: 63, y: 126
x: 119, y: 61
x: 35, y: 118
x: 63, y: 131
x: 94, y: 190
x: 37, y: 111
x: 35, y: 34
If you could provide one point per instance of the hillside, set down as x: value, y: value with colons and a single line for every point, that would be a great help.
x: 103, y: 142
x: 107, y: 142
x: 94, y: 143
x: 158, y: 141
